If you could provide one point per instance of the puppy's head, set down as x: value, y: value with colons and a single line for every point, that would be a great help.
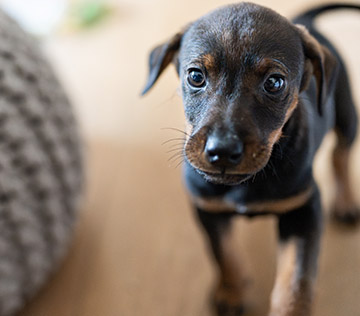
x: 242, y: 68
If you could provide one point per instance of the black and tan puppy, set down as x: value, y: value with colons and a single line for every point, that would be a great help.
x: 259, y: 94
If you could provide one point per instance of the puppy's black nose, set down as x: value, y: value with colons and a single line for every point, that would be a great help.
x: 223, y: 151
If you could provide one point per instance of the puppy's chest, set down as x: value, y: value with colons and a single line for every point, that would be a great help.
x: 239, y: 201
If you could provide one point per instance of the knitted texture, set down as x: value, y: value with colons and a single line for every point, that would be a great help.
x: 40, y: 168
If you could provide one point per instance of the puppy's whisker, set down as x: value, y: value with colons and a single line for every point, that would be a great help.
x: 172, y: 140
x: 181, y: 157
x: 176, y: 129
x: 176, y: 156
x: 273, y: 169
x: 178, y: 145
x: 253, y: 177
x: 179, y: 142
x: 178, y: 149
x: 263, y: 173
x: 180, y: 162
x: 175, y: 163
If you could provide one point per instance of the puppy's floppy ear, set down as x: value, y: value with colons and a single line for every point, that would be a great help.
x: 320, y: 63
x: 160, y: 57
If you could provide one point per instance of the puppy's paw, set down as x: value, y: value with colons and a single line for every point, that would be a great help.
x: 349, y: 215
x: 228, y: 300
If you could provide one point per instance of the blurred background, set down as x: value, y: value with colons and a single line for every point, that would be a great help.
x: 137, y: 249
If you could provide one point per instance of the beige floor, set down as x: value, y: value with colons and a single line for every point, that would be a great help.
x: 137, y: 249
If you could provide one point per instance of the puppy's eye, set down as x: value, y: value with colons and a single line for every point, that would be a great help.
x: 274, y: 84
x: 196, y: 78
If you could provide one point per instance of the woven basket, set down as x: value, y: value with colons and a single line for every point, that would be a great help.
x: 40, y: 168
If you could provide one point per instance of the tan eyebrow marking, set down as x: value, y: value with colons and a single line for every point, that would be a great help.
x: 266, y: 64
x: 208, y: 61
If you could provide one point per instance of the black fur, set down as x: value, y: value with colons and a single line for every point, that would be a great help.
x: 237, y: 49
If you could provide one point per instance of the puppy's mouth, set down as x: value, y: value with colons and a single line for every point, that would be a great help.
x: 223, y: 177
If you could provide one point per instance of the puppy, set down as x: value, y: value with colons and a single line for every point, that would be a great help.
x: 259, y: 94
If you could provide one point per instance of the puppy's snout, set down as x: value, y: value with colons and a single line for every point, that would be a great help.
x: 223, y: 150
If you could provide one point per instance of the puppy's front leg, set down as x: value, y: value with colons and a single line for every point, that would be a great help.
x: 228, y: 294
x: 299, y: 233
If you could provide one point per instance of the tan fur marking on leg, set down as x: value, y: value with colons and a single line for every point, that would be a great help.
x: 281, y: 298
x: 231, y: 286
x: 292, y: 293
x: 344, y: 200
